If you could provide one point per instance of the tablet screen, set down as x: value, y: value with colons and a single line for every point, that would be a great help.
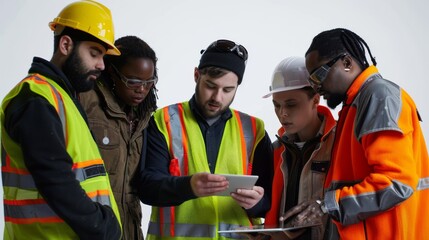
x: 238, y: 181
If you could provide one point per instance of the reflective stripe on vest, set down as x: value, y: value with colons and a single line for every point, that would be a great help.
x: 423, y: 184
x: 178, y: 142
x: 197, y: 230
x: 178, y: 138
x: 22, y: 178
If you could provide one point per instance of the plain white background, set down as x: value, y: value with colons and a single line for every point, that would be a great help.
x: 395, y: 30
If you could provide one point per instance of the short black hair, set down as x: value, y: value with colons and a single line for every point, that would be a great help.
x: 77, y: 36
x: 332, y: 43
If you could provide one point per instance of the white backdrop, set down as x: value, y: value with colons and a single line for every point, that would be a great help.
x: 395, y: 30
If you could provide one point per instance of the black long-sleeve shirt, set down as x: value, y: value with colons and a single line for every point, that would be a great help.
x: 157, y: 187
x: 33, y: 123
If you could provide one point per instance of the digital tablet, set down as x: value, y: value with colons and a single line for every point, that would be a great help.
x: 238, y: 181
x: 262, y: 229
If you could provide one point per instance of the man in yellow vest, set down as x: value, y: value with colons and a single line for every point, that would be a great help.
x: 191, y: 143
x: 54, y: 181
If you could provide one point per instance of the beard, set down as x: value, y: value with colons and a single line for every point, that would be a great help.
x: 203, y: 106
x: 77, y: 74
x: 334, y: 100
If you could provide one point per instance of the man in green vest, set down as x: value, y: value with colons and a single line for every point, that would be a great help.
x: 191, y: 143
x: 54, y: 181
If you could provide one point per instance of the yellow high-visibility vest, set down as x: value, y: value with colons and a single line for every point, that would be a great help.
x: 201, y: 218
x: 27, y: 215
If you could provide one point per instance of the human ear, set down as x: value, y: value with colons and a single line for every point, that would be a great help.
x: 347, y: 62
x: 196, y: 74
x: 316, y: 99
x: 65, y: 45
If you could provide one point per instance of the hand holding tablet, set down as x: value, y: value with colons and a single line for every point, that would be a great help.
x: 236, y: 182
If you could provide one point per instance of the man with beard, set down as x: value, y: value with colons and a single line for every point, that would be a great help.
x: 54, y: 181
x: 191, y: 143
x: 377, y: 185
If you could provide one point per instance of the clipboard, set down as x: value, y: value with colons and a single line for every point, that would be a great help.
x: 262, y: 229
x: 238, y: 181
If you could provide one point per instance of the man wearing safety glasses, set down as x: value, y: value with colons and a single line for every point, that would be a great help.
x: 377, y: 185
x: 191, y: 143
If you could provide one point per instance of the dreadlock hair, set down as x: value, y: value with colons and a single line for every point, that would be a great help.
x: 132, y: 47
x: 332, y: 43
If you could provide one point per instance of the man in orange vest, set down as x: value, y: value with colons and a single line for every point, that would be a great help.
x: 54, y: 181
x: 378, y: 183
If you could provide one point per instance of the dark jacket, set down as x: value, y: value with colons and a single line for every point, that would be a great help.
x: 34, y: 124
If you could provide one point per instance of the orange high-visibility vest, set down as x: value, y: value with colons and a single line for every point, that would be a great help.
x: 378, y: 182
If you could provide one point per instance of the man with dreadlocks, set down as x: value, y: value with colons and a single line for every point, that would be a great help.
x: 378, y: 183
x: 119, y: 109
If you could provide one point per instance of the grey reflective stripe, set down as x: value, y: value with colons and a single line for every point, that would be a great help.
x: 378, y: 106
x: 178, y: 153
x: 18, y: 181
x: 176, y: 135
x: 194, y: 230
x: 183, y: 230
x: 102, y: 199
x: 25, y: 181
x: 423, y: 183
x: 61, y: 111
x: 30, y: 211
x: 225, y: 226
x: 166, y: 215
x: 355, y: 208
x: 249, y: 136
x: 41, y: 210
x: 83, y: 174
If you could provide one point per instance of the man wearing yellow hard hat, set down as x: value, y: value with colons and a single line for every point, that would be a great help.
x: 54, y: 180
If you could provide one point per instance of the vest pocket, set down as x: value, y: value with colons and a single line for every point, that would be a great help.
x: 107, y: 139
x: 320, y: 166
x: 319, y: 170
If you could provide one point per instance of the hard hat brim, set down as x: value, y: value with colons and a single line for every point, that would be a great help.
x: 284, y: 89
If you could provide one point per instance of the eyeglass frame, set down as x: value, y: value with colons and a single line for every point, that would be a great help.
x: 145, y: 83
x: 237, y: 48
x: 318, y: 76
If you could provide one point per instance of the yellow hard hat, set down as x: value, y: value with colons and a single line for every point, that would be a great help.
x: 91, y: 17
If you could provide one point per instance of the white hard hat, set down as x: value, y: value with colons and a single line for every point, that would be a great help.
x: 290, y: 74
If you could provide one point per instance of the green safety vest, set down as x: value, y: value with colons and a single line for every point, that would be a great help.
x: 26, y: 213
x: 201, y: 218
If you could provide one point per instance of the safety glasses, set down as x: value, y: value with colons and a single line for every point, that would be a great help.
x: 134, y: 84
x: 228, y: 46
x: 319, y: 74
